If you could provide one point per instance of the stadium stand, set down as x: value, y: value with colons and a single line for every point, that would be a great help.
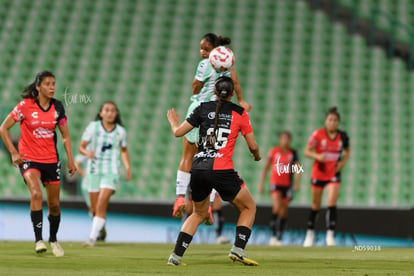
x: 293, y: 64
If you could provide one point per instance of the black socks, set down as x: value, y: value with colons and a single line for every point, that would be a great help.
x: 331, y: 218
x: 37, y: 221
x: 54, y: 227
x: 183, y: 241
x: 242, y: 236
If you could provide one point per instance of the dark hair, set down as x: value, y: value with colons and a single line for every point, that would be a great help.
x: 118, y: 114
x: 333, y: 110
x: 224, y: 87
x: 30, y: 91
x: 216, y: 41
x: 286, y: 132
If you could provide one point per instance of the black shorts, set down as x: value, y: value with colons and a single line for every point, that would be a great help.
x: 49, y: 173
x: 319, y: 184
x: 285, y: 191
x: 226, y: 182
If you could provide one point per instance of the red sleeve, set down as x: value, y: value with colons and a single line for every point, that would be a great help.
x: 270, y: 154
x: 314, y: 139
x: 17, y: 112
x: 246, y: 126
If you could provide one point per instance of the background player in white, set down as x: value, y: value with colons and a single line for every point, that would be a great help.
x: 106, y: 138
x: 203, y: 91
x: 81, y: 163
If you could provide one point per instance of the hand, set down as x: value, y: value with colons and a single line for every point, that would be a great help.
x: 257, y: 157
x: 17, y: 158
x: 320, y: 157
x: 173, y: 117
x: 90, y: 154
x: 338, y: 166
x: 245, y: 105
x: 128, y: 174
x: 71, y: 168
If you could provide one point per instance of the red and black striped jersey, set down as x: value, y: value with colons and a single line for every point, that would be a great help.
x: 332, y: 148
x: 232, y: 120
x: 37, y: 126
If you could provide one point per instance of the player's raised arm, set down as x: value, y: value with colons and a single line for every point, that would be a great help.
x: 238, y: 90
x: 178, y: 130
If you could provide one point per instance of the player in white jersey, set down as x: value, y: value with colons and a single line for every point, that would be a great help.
x: 203, y: 91
x: 81, y: 163
x: 104, y: 142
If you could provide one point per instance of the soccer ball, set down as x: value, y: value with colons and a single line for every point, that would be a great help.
x: 221, y: 59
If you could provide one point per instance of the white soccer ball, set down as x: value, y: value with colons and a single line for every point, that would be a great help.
x: 221, y: 59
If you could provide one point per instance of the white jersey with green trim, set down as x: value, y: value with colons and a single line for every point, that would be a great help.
x: 208, y: 76
x: 106, y: 147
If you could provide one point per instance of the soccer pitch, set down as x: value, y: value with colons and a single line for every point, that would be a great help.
x: 18, y: 258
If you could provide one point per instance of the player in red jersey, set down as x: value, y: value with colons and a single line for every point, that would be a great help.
x: 202, y: 87
x: 330, y: 149
x: 220, y: 123
x: 285, y: 166
x: 39, y: 114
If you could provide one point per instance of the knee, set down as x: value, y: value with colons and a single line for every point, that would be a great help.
x: 36, y: 195
x: 54, y: 208
x: 200, y: 214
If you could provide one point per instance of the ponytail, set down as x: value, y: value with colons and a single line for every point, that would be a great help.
x: 30, y: 91
x: 216, y: 41
x: 333, y: 110
x: 224, y: 87
x: 223, y: 41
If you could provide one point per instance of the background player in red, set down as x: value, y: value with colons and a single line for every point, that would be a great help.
x: 284, y: 162
x: 39, y: 114
x: 329, y: 147
x: 220, y: 123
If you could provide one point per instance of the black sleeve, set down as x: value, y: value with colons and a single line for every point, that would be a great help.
x: 60, y: 110
x: 295, y: 156
x: 195, y: 117
x: 345, y: 140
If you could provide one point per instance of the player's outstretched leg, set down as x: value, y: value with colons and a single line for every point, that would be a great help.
x: 245, y: 204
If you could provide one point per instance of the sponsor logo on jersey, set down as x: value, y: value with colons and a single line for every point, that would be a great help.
x: 35, y: 114
x: 41, y: 132
x: 209, y: 154
x: 211, y: 115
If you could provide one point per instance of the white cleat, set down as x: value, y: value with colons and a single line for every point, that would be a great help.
x: 40, y: 247
x: 310, y: 237
x: 89, y: 243
x: 57, y: 249
x: 330, y: 238
x: 275, y: 242
x: 222, y: 240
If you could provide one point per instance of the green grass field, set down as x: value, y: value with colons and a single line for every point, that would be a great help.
x: 18, y: 258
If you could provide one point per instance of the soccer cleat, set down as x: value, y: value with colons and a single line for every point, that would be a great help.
x: 57, y: 249
x: 175, y: 260
x: 310, y: 237
x: 209, y: 219
x: 222, y: 240
x: 102, y: 234
x: 40, y: 247
x: 330, y: 238
x: 89, y: 243
x: 179, y: 207
x: 275, y: 242
x: 237, y: 254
